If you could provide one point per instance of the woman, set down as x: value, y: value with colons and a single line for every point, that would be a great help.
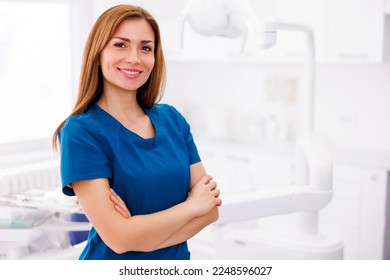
x: 132, y: 163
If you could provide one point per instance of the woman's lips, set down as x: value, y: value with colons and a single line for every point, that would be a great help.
x: 130, y: 73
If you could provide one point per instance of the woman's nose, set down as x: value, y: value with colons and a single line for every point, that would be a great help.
x: 132, y: 56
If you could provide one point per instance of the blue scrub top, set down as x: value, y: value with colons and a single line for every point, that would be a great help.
x: 150, y: 175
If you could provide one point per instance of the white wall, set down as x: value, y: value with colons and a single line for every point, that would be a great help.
x: 352, y: 105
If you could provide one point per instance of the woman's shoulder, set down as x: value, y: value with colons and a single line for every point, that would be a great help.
x: 166, y: 110
x: 168, y: 114
x: 163, y: 107
x: 81, y: 123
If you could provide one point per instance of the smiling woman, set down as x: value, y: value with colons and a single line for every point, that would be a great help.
x: 35, y: 70
x: 131, y: 162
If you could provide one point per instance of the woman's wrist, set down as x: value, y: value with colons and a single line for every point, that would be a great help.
x: 192, y: 209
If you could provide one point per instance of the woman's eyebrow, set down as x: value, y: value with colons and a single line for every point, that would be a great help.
x: 128, y: 40
x: 122, y: 38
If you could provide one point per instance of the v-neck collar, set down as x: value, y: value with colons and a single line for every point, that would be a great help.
x: 114, y: 123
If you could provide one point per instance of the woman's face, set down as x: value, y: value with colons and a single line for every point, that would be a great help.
x: 128, y: 58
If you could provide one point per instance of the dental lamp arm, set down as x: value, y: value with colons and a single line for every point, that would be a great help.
x: 181, y: 23
x: 268, y: 38
x: 259, y: 204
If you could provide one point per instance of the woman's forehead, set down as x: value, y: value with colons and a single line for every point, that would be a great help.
x: 135, y: 29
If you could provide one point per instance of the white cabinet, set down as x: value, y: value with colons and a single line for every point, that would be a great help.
x: 356, y: 31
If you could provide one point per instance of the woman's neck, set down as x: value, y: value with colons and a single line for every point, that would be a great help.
x: 121, y: 106
x: 129, y: 113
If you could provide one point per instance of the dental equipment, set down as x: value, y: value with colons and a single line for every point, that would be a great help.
x: 312, y: 188
x: 214, y: 18
x: 313, y: 179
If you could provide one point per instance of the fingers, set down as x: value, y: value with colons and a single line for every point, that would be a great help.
x: 212, y: 185
x: 124, y: 213
x: 219, y: 202
x: 120, y: 206
x: 205, y: 179
x: 215, y: 192
x: 204, y: 195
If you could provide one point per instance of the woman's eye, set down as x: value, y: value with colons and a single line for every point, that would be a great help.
x: 146, y: 49
x: 120, y: 45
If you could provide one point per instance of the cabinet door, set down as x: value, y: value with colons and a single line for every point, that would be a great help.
x: 355, y: 31
x: 373, y: 214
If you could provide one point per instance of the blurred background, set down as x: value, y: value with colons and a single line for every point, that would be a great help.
x: 246, y: 108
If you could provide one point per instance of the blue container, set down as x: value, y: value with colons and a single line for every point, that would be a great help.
x: 77, y: 237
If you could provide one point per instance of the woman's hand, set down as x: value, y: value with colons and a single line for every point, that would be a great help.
x: 204, y: 195
x: 119, y: 204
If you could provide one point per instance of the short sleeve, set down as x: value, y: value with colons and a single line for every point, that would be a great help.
x: 189, y: 140
x: 83, y: 154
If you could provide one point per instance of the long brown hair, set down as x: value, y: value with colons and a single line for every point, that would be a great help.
x: 91, y: 77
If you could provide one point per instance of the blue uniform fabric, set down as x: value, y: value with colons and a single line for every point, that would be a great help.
x: 150, y: 175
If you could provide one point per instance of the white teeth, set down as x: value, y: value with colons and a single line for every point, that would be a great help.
x: 130, y: 72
